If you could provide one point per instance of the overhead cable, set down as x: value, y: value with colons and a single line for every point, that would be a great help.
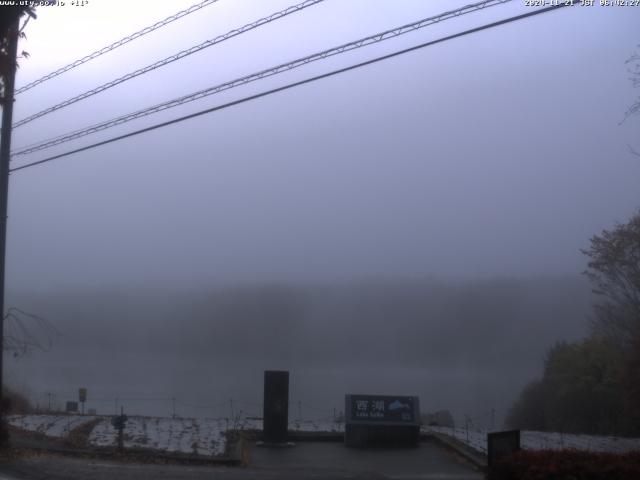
x: 294, y: 84
x: 362, y: 42
x: 165, y: 61
x: 114, y: 45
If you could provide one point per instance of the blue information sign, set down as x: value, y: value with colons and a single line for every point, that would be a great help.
x: 382, y: 408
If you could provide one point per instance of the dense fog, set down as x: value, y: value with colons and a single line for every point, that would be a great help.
x: 410, y: 227
x: 465, y: 346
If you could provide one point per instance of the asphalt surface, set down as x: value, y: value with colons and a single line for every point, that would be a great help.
x: 305, y: 460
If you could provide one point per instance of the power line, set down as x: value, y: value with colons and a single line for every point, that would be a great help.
x: 165, y: 61
x: 295, y: 84
x: 362, y: 42
x: 119, y: 43
x: 204, y: 407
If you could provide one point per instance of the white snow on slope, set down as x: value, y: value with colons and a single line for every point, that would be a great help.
x: 556, y: 441
x: 532, y: 440
x: 202, y: 436
x: 315, y: 426
x: 50, y: 425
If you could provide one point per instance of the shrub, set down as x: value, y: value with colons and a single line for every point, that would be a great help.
x: 12, y: 402
x: 567, y: 465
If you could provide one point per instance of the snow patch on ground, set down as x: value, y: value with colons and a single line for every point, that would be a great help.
x: 201, y: 436
x: 58, y: 426
x: 315, y: 426
x: 532, y: 440
x: 556, y: 441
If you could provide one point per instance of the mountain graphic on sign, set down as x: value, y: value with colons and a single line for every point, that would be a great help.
x: 398, y: 405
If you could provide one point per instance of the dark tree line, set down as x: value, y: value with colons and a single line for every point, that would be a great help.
x: 593, y: 386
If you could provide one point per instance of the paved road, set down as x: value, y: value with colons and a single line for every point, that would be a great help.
x: 304, y: 461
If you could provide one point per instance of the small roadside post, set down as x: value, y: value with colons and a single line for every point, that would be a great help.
x: 82, y: 397
x: 118, y: 423
x: 501, y: 444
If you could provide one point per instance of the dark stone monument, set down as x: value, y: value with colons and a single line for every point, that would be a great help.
x: 376, y: 420
x: 276, y: 406
x: 502, y: 444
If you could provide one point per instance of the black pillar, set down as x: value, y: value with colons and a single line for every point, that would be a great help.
x: 276, y: 406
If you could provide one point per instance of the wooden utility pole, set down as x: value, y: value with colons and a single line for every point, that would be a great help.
x: 5, y: 153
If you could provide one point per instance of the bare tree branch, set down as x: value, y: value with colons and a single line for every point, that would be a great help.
x: 25, y: 331
x: 614, y: 272
x: 634, y: 70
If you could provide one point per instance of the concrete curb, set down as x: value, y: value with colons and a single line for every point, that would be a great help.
x: 297, y: 436
x: 474, y: 457
x: 301, y: 436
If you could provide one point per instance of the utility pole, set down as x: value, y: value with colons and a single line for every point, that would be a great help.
x: 5, y: 153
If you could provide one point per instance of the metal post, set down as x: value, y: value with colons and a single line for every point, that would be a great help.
x: 466, y: 421
x: 5, y: 153
x: 121, y: 431
x: 173, y: 401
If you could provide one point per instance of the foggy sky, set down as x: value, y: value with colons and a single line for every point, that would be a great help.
x: 498, y: 153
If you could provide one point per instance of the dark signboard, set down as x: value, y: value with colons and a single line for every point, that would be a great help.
x: 382, y: 408
x: 72, y: 406
x: 376, y: 420
x: 502, y: 444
